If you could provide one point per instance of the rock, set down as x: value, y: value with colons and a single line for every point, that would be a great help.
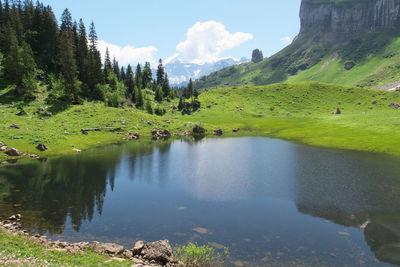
x: 13, y: 152
x: 48, y: 114
x: 15, y: 126
x: 33, y: 156
x: 21, y: 113
x: 339, y: 103
x: 128, y: 254
x: 66, y: 133
x: 41, y: 147
x: 235, y: 130
x: 160, y: 251
x: 374, y: 102
x: 359, y: 103
x: 186, y: 133
x: 394, y: 105
x: 108, y: 248
x: 272, y: 108
x: 137, y: 249
x: 167, y: 133
x: 3, y: 148
x: 77, y: 150
x: 168, y: 121
x: 349, y: 65
x: 336, y: 112
x: 41, y: 109
x: 218, y: 132
x: 154, y: 132
x: 15, y: 217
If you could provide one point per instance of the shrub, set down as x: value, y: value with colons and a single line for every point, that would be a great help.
x: 193, y: 255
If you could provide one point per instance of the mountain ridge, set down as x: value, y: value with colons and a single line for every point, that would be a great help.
x: 333, y: 36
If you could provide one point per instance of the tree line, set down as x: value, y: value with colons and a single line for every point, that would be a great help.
x: 34, y: 49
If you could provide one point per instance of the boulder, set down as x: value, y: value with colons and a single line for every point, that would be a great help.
x: 15, y: 126
x: 13, y: 152
x: 374, y: 102
x: 235, y: 130
x: 394, y: 105
x: 336, y: 112
x: 160, y: 251
x: 48, y: 114
x: 154, y: 132
x: 107, y: 248
x: 349, y: 65
x: 218, y: 132
x: 137, y: 249
x: 3, y: 148
x: 167, y: 133
x: 41, y: 147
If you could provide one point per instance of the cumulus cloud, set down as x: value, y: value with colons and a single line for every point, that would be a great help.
x: 128, y: 54
x: 286, y: 40
x: 206, y: 41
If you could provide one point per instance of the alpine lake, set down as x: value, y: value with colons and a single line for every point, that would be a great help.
x: 271, y: 202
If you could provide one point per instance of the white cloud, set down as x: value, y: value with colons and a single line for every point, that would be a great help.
x: 286, y: 40
x: 206, y: 41
x: 129, y: 54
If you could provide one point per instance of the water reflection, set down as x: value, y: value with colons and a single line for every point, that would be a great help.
x: 235, y: 192
x: 362, y: 193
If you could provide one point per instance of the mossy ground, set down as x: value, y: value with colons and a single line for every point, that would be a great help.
x: 299, y: 112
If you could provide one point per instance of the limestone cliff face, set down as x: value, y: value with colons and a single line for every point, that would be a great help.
x: 342, y: 20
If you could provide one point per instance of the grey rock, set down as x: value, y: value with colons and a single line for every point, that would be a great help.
x: 108, y: 248
x: 13, y: 152
x: 374, y: 102
x: 15, y: 126
x: 218, y: 132
x: 160, y: 251
x: 349, y: 65
x: 336, y: 112
x: 137, y: 249
x: 41, y: 147
x: 48, y: 114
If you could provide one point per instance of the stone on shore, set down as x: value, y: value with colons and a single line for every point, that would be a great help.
x: 160, y: 251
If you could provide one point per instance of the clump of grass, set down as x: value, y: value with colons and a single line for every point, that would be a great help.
x: 193, y: 255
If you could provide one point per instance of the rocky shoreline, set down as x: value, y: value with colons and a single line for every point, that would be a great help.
x: 152, y: 254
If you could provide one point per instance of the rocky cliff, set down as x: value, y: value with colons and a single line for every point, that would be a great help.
x: 339, y: 20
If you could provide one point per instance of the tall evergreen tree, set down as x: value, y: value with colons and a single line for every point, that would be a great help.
x: 82, y: 53
x: 123, y: 74
x: 138, y: 77
x: 93, y: 37
x: 116, y: 68
x: 67, y: 66
x: 130, y: 83
x: 147, y: 75
x: 165, y: 86
x: 66, y: 21
x: 160, y: 73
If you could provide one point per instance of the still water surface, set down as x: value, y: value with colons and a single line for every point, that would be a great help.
x: 271, y: 202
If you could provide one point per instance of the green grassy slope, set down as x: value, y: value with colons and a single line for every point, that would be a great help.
x: 295, y: 111
x: 376, y: 57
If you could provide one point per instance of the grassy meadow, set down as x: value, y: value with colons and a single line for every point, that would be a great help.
x: 300, y: 112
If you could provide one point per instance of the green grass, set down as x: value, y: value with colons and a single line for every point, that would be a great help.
x: 301, y: 113
x: 193, y: 255
x: 23, y: 251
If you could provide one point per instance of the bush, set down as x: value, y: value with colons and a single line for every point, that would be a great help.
x: 149, y: 108
x: 114, y: 100
x: 159, y: 111
x: 193, y: 255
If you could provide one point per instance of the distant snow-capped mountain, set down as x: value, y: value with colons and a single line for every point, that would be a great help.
x: 179, y: 71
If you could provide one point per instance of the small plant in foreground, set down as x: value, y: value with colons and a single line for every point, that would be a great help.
x: 193, y: 255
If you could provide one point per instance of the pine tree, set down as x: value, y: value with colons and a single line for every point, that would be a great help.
x: 147, y: 75
x: 160, y: 73
x: 158, y: 94
x: 165, y: 86
x: 93, y: 37
x: 67, y: 66
x: 11, y: 64
x: 139, y: 98
x: 190, y: 89
x: 116, y: 68
x: 138, y: 77
x: 82, y: 53
x: 66, y: 21
x: 130, y: 83
x: 123, y: 74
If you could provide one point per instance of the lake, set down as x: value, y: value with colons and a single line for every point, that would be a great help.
x: 269, y: 201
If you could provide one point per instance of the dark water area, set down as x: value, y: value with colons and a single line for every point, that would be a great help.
x: 269, y: 201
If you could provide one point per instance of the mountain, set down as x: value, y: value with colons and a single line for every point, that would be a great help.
x: 179, y: 71
x: 347, y: 42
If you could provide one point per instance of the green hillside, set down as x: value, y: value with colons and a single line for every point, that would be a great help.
x: 375, y: 56
x: 296, y: 111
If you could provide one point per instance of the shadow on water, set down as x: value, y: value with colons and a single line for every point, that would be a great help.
x: 365, y: 194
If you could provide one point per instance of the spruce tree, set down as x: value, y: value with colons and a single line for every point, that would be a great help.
x: 123, y: 75
x: 116, y: 68
x: 158, y: 94
x: 67, y: 66
x: 147, y: 75
x: 93, y: 37
x: 130, y: 83
x: 165, y: 86
x: 138, y: 77
x: 160, y: 73
x: 66, y: 21
x: 82, y: 53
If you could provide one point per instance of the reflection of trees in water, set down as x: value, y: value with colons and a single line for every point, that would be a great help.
x: 352, y: 190
x: 51, y: 191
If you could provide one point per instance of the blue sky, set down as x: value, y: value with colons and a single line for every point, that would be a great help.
x: 151, y: 29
